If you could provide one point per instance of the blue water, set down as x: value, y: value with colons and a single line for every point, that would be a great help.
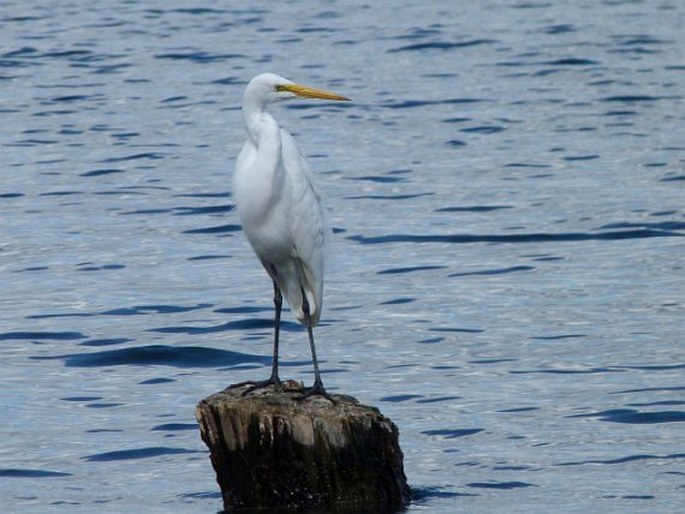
x: 506, y: 280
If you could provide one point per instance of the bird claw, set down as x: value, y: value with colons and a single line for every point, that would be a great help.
x: 262, y: 384
x: 318, y: 390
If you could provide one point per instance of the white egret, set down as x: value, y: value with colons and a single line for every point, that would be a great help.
x: 280, y: 210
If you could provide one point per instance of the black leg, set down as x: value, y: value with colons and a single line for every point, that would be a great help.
x: 317, y: 388
x: 278, y: 303
x: 274, y: 379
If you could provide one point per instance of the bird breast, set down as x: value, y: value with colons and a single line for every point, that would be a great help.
x: 261, y: 192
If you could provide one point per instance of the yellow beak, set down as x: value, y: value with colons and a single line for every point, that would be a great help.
x: 310, y: 92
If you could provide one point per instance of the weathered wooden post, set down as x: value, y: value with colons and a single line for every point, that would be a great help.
x: 274, y: 449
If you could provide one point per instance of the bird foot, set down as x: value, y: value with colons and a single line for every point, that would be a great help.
x: 275, y: 382
x: 318, y: 390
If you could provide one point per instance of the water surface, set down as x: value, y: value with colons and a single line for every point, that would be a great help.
x: 506, y: 276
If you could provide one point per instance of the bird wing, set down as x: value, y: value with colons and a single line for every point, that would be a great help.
x: 306, y: 223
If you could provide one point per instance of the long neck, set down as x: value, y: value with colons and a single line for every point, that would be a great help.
x: 265, y: 135
x: 259, y: 123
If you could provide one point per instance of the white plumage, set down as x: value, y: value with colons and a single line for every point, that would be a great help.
x: 280, y: 208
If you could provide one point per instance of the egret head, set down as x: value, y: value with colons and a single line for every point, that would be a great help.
x: 269, y: 88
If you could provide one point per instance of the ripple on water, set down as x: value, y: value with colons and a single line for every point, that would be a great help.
x: 532, y: 153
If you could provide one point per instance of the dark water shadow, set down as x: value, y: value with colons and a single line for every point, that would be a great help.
x: 37, y: 335
x: 570, y: 371
x: 31, y: 473
x: 139, y: 453
x: 238, y: 325
x: 137, y: 310
x: 160, y: 355
x: 453, y: 433
x: 442, y: 45
x: 500, y: 485
x: 174, y: 427
x: 635, y: 417
x: 623, y: 460
x: 408, y: 269
x: 495, y: 271
x: 423, y: 495
x: 540, y: 237
x: 220, y: 229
